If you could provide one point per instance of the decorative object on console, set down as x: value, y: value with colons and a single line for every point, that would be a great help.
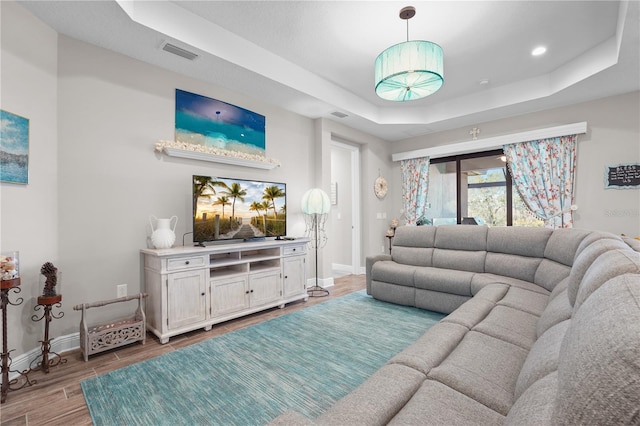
x: 14, y: 148
x: 409, y: 70
x: 315, y: 207
x: 10, y: 266
x: 163, y: 234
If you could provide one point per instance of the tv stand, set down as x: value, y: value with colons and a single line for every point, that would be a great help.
x: 196, y: 287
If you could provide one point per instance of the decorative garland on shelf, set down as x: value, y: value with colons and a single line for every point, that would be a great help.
x: 160, y: 147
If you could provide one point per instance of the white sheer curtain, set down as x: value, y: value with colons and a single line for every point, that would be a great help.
x: 543, y: 172
x: 415, y: 184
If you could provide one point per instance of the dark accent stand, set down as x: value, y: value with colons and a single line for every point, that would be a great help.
x: 390, y: 237
x: 46, y: 303
x: 18, y: 383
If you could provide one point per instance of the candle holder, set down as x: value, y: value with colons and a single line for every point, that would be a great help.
x: 10, y: 282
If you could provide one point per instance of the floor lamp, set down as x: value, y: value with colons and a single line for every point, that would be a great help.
x: 315, y: 208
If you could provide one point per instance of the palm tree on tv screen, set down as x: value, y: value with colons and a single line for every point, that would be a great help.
x: 270, y: 194
x: 236, y: 192
x: 222, y: 200
x: 201, y: 185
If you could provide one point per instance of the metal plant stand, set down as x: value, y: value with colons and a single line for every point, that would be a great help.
x: 48, y: 358
x: 23, y: 379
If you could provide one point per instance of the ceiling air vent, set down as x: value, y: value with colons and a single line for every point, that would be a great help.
x: 339, y: 114
x: 172, y: 48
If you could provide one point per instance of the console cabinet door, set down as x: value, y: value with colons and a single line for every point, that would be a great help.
x: 229, y: 295
x: 265, y: 287
x: 294, y: 275
x: 186, y: 298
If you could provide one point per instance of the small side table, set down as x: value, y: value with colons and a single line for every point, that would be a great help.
x: 46, y: 303
x: 5, y: 287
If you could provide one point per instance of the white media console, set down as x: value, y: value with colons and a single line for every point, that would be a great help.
x: 196, y: 287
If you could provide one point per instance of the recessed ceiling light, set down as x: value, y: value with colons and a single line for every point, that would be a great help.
x: 540, y: 50
x: 483, y: 81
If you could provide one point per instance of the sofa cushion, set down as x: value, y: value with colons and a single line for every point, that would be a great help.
x: 525, y: 300
x: 563, y: 244
x: 377, y: 400
x: 415, y: 236
x: 592, y: 238
x: 519, y: 240
x: 543, y: 357
x: 482, y: 280
x: 438, y: 301
x: 444, y: 280
x: 399, y: 294
x: 438, y: 404
x: 600, y: 358
x: 456, y: 237
x: 460, y: 260
x: 535, y: 406
x: 291, y: 418
x: 512, y: 265
x: 550, y: 273
x: 476, y: 310
x: 432, y: 347
x: 559, y: 288
x: 607, y: 266
x: 483, y: 368
x: 556, y: 311
x: 394, y: 273
x: 511, y: 325
x: 412, y: 255
x: 584, y: 261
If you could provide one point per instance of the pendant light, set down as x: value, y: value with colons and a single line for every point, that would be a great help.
x: 409, y: 70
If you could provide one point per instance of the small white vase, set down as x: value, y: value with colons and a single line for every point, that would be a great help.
x: 163, y: 234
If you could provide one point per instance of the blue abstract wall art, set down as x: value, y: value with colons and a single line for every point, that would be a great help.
x: 205, y: 121
x: 14, y: 148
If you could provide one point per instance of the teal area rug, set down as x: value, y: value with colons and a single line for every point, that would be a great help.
x: 305, y: 361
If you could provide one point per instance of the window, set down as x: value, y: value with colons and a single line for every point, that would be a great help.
x: 475, y: 188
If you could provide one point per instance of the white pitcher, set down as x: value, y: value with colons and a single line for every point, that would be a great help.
x: 163, y: 234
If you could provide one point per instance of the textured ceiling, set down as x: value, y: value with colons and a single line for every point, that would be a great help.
x: 316, y: 57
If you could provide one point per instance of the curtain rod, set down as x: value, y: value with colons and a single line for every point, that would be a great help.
x: 486, y: 144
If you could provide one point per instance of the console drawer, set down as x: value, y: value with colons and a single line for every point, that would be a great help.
x: 178, y: 263
x: 295, y: 250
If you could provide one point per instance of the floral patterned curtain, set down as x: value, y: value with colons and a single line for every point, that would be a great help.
x: 415, y: 183
x: 543, y: 172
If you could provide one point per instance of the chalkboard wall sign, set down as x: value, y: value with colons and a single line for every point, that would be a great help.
x: 622, y: 176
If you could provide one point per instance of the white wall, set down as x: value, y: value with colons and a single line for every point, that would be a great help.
x: 29, y: 213
x: 613, y: 137
x: 112, y: 110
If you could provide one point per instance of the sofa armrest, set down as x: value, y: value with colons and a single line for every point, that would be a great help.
x: 370, y: 261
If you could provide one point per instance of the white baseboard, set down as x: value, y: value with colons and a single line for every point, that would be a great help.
x: 59, y: 345
x: 322, y: 282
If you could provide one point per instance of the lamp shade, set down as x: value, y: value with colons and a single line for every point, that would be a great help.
x: 315, y: 201
x: 409, y: 70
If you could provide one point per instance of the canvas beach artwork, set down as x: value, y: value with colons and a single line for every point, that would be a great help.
x: 14, y: 148
x: 205, y: 121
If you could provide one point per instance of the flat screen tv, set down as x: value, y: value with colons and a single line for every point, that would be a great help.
x: 227, y: 209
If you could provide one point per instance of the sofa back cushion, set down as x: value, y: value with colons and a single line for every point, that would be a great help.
x: 564, y: 243
x: 586, y: 258
x: 599, y: 363
x: 607, y: 266
x: 461, y: 247
x: 413, y: 245
x: 512, y: 265
x: 518, y: 240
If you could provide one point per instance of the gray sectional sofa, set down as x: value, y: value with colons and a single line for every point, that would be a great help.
x: 543, y: 328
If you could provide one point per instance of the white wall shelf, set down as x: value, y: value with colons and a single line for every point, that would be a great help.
x: 204, y: 156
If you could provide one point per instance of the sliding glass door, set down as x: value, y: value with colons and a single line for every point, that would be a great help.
x: 474, y: 189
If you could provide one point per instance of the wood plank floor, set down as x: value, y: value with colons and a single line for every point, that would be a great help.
x: 57, y: 398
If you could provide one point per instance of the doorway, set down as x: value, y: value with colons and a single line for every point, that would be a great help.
x: 345, y: 208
